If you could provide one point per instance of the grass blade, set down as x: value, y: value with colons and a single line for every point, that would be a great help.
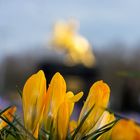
x: 100, y: 131
x: 81, y: 123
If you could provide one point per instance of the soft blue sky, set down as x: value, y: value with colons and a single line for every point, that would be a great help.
x: 25, y: 23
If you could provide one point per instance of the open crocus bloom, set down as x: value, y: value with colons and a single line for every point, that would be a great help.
x: 59, y: 104
x: 8, y: 115
x: 125, y: 130
x: 98, y: 97
x: 33, y: 99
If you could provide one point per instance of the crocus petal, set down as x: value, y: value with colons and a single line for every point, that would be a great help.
x: 73, y: 98
x: 55, y: 96
x: 8, y: 114
x: 33, y: 99
x: 105, y: 119
x: 63, y: 117
x: 98, y: 97
x: 125, y: 130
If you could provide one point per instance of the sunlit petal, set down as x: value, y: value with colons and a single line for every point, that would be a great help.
x: 63, y: 117
x: 55, y: 96
x: 105, y: 119
x: 33, y: 99
x: 98, y: 97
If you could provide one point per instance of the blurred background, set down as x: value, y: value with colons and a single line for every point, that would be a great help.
x: 85, y: 41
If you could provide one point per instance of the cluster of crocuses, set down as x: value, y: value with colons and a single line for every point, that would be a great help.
x: 54, y: 107
x: 50, y: 109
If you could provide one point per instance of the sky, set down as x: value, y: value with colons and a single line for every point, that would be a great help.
x: 28, y: 23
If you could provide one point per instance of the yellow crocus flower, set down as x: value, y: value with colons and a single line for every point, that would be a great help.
x: 56, y: 95
x: 33, y: 99
x: 98, y: 97
x: 125, y: 130
x: 8, y: 114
